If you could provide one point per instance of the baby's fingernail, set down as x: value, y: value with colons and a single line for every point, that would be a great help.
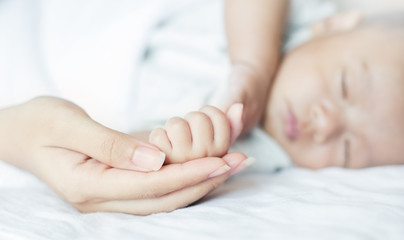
x: 243, y: 165
x: 223, y: 169
x: 148, y: 158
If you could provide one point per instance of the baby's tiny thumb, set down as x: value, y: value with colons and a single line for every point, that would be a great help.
x: 235, y: 116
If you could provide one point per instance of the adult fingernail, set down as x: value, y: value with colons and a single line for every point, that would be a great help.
x: 148, y: 158
x: 223, y: 169
x: 243, y: 165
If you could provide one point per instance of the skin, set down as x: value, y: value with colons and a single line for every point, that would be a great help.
x: 346, y: 92
x: 205, y: 133
x: 345, y: 89
x: 254, y: 34
x: 90, y: 165
x: 254, y: 59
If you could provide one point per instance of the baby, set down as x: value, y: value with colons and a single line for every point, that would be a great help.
x: 336, y: 101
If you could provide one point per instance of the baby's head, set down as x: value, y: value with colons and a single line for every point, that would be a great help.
x: 338, y: 100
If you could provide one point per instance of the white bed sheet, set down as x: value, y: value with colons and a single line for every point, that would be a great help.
x: 291, y: 204
x: 261, y: 203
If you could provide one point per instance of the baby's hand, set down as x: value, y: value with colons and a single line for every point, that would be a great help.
x: 206, y: 133
x: 249, y: 87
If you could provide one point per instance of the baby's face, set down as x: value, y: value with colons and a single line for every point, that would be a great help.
x: 339, y: 100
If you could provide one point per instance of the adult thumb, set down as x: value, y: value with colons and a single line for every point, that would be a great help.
x: 111, y: 147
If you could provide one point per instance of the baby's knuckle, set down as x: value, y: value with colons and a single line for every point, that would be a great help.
x: 157, y: 136
x: 221, y: 148
x: 210, y: 108
x: 216, y: 114
x: 199, y: 118
x: 219, y: 153
x: 211, y: 152
x: 176, y: 123
x: 198, y: 152
x: 214, y: 110
x: 196, y: 116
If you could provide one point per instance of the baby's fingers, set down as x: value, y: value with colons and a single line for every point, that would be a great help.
x: 221, y: 128
x: 202, y: 134
x: 159, y: 138
x: 179, y: 134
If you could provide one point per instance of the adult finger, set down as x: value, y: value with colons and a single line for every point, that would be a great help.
x: 119, y: 184
x: 168, y: 202
x: 76, y: 131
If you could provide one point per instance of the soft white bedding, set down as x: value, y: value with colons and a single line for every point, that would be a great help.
x: 45, y: 51
x: 291, y: 204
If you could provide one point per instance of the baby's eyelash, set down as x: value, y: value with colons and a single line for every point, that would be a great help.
x: 343, y: 85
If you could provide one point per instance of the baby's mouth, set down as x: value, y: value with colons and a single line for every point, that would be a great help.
x: 291, y: 125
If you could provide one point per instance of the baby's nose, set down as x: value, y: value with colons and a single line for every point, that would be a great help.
x: 325, y: 122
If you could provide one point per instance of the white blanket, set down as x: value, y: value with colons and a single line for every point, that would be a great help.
x: 291, y: 204
x: 67, y: 48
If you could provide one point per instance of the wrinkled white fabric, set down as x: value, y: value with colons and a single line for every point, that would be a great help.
x: 291, y: 204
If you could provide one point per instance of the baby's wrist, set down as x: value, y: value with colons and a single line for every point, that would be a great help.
x: 252, y: 71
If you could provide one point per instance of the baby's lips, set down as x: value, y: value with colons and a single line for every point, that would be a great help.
x: 235, y: 114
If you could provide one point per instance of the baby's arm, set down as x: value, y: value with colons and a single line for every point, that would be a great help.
x: 254, y: 30
x: 206, y: 133
x: 254, y: 33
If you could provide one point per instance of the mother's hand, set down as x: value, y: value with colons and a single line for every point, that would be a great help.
x: 92, y: 186
x: 49, y: 122
x: 58, y: 142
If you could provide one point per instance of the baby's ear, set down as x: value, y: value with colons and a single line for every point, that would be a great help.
x: 337, y: 23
